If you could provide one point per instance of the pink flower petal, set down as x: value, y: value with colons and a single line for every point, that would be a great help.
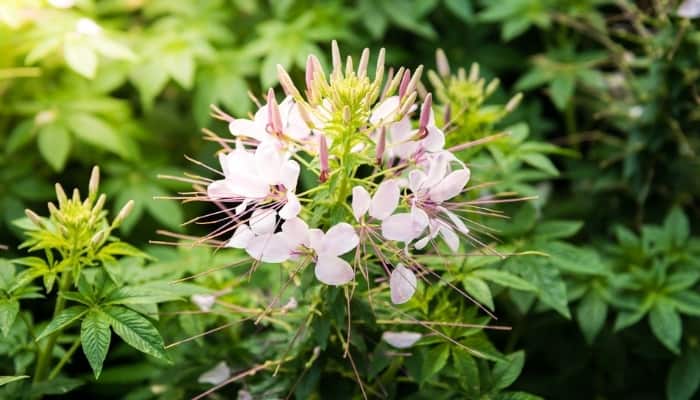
x: 241, y: 237
x: 385, y: 111
x: 263, y: 221
x: 451, y: 186
x: 216, y: 375
x: 269, y: 162
x: 385, y: 199
x: 401, y: 340
x: 402, y: 283
x: 271, y: 248
x: 333, y: 270
x: 338, y: 240
x: 220, y: 189
x: 203, y: 301
x: 456, y: 220
x: 291, y: 208
x: 360, y: 201
x: 296, y: 233
x: 290, y: 175
x: 450, y: 237
x: 246, y: 127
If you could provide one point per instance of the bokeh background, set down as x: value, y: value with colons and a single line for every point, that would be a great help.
x: 611, y: 111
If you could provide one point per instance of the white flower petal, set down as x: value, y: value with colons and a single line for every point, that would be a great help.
x: 397, y: 227
x: 437, y: 170
x: 216, y: 375
x: 296, y: 233
x: 435, y: 140
x: 401, y: 340
x: 204, y: 301
x: 360, y: 201
x: 451, y: 186
x: 269, y: 162
x: 291, y: 208
x: 333, y: 270
x: 263, y: 221
x: 246, y: 127
x: 456, y: 220
x: 290, y: 175
x: 450, y: 237
x: 385, y: 111
x: 271, y: 248
x: 241, y: 237
x: 338, y: 240
x: 415, y: 180
x: 402, y: 283
x: 385, y: 199
x: 219, y: 190
x: 689, y: 9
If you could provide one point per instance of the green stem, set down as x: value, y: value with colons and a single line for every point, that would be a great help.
x: 44, y: 358
x: 65, y: 358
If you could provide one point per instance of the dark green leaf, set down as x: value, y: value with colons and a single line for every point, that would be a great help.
x: 506, y: 372
x: 591, y: 314
x: 63, y: 320
x: 95, y: 337
x: 136, y: 331
x: 9, y: 308
x: 54, y: 145
x: 666, y: 324
x: 4, y: 380
x: 684, y: 377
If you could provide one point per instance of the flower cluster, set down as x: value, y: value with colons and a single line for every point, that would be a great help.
x: 385, y: 186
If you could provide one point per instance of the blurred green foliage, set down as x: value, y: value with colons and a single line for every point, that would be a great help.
x: 603, y: 298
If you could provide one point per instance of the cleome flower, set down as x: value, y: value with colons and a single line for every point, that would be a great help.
x: 379, y: 185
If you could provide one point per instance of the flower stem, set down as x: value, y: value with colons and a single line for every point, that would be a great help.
x: 65, y: 358
x: 44, y: 358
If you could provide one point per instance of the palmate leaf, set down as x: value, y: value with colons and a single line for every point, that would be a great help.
x: 4, y: 380
x: 136, y: 331
x: 9, y: 308
x: 95, y: 337
x: 63, y: 320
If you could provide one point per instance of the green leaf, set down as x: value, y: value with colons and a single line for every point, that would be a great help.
x: 166, y: 212
x: 478, y: 289
x: 180, y: 66
x: 63, y: 320
x: 54, y: 145
x: 541, y: 162
x: 506, y: 372
x: 504, y: 278
x: 4, y: 380
x: 9, y: 308
x: 684, y: 376
x: 97, y: 132
x: 461, y: 8
x: 666, y: 324
x: 561, y: 90
x: 150, y: 81
x: 60, y: 385
x: 551, y: 289
x: 557, y: 229
x: 95, y: 337
x: 591, y: 314
x: 574, y: 259
x: 466, y: 367
x: 676, y: 226
x: 687, y: 302
x: 80, y: 57
x: 136, y: 331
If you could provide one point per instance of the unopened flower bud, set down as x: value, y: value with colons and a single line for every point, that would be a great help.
x: 425, y: 114
x: 123, y: 213
x: 514, y: 102
x: 443, y: 66
x: 36, y: 220
x: 474, y: 72
x: 94, y: 184
x: 337, y: 64
x: 407, y: 104
x: 347, y: 115
x: 379, y: 72
x: 61, y: 195
x: 99, y: 204
x: 287, y: 83
x: 309, y: 73
x: 53, y: 210
x: 415, y: 79
x: 323, y: 156
x: 492, y: 86
x: 273, y: 114
x: 76, y: 195
x: 404, y: 83
x: 448, y: 114
x: 362, y: 66
x: 348, y: 66
x: 381, y: 145
x: 97, y: 238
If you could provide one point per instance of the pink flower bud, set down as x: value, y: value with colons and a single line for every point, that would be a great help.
x: 425, y: 114
x: 309, y: 72
x: 274, y: 119
x: 448, y: 114
x: 381, y: 145
x: 443, y: 66
x: 404, y: 83
x: 323, y: 155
